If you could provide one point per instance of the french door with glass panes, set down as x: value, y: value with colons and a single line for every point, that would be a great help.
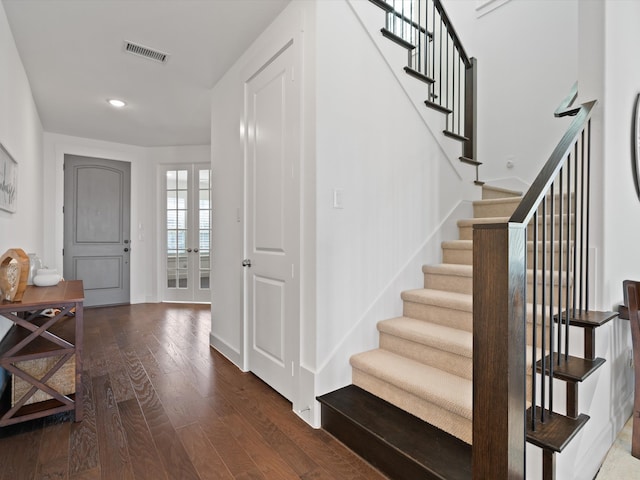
x: 187, y: 221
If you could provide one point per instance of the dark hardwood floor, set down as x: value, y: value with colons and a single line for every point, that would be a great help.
x: 161, y: 404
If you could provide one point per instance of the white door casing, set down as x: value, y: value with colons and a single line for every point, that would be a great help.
x: 272, y: 283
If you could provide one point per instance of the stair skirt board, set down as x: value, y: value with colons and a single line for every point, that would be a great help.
x: 458, y: 426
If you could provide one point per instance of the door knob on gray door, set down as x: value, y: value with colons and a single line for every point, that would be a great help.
x: 196, y: 250
x: 246, y: 262
x: 126, y: 249
x: 189, y: 250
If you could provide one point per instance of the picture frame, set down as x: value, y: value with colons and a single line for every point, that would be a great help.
x: 8, y: 181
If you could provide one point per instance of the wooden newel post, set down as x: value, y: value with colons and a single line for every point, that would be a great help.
x: 499, y: 295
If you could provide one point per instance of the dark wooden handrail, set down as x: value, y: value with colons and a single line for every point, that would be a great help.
x: 534, y: 196
x: 452, y: 33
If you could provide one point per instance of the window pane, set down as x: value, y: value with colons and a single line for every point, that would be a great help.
x: 205, y: 219
x: 172, y: 201
x: 204, y: 261
x: 204, y: 279
x: 181, y: 240
x: 182, y: 200
x: 204, y: 179
x: 182, y: 180
x: 171, y: 179
x: 204, y: 199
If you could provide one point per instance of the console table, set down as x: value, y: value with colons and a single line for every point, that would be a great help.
x: 36, y: 336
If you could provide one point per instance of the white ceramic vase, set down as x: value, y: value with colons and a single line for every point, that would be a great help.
x: 34, y: 264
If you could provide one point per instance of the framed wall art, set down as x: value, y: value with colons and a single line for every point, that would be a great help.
x: 8, y: 181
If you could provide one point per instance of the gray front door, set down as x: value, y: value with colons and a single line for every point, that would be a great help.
x: 97, y: 247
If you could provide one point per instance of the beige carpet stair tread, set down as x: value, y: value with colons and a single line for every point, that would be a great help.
x: 449, y: 269
x: 439, y: 298
x: 458, y: 244
x: 491, y: 191
x: 498, y: 201
x: 441, y: 337
x: 468, y: 222
x: 448, y: 391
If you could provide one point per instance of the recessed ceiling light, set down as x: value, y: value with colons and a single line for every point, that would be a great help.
x: 114, y: 102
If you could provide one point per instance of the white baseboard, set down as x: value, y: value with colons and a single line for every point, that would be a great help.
x: 229, y: 352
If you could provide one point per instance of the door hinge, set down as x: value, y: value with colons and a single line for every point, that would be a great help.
x: 63, y: 252
x: 292, y: 370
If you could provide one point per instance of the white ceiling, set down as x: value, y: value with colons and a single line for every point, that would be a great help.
x: 73, y: 54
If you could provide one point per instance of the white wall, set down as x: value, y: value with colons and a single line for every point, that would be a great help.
x: 21, y: 135
x: 621, y: 227
x: 527, y: 63
x: 145, y: 203
x: 398, y: 188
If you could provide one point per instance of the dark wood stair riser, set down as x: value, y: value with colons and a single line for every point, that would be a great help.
x: 369, y: 447
x: 399, y: 444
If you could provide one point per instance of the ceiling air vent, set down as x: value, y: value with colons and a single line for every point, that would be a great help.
x: 146, y: 52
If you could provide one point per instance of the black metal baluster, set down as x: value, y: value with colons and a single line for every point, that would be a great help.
x: 551, y: 333
x: 426, y: 39
x: 440, y: 97
x: 569, y: 283
x: 588, y: 208
x: 576, y: 245
x: 560, y: 208
x: 459, y: 109
x: 420, y: 38
x: 452, y: 81
x: 543, y: 305
x: 534, y: 315
x: 582, y: 222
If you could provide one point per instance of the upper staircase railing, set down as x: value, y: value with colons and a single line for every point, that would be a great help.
x: 437, y: 57
x: 531, y: 281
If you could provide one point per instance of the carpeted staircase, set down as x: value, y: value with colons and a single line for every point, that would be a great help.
x: 424, y: 361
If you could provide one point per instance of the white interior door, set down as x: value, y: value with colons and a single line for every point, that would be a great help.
x: 273, y: 222
x: 187, y: 231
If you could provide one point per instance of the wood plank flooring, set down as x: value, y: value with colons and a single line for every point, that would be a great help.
x: 161, y: 404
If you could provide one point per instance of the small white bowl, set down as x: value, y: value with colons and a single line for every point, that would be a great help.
x: 46, y: 280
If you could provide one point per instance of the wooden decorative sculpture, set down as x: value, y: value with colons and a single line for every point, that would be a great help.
x: 14, y: 271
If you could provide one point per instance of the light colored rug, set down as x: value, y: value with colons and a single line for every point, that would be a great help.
x: 619, y: 464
